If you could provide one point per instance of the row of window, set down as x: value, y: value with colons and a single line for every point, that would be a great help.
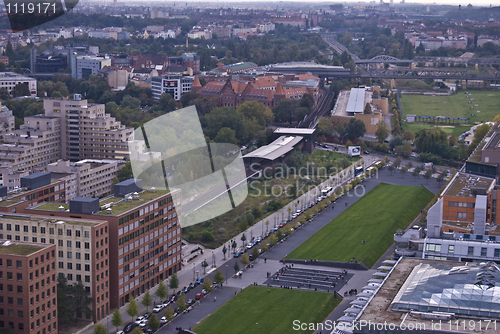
x: 43, y: 230
x: 461, y: 204
x: 470, y: 250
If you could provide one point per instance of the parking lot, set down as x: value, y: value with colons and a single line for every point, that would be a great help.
x: 310, y: 279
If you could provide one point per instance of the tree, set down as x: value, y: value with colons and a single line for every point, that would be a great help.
x: 391, y: 168
x: 174, y: 282
x: 243, y: 239
x: 453, y: 140
x: 307, y: 101
x: 368, y: 109
x: 226, y: 135
x: 21, y: 89
x: 236, y: 267
x: 100, y: 329
x: 245, y: 259
x: 167, y: 102
x: 279, y: 234
x: 427, y: 139
x: 428, y: 174
x: 382, y: 132
x: 80, y: 298
x: 169, y: 313
x: 4, y: 94
x: 64, y: 302
x: 403, y: 170
x: 153, y: 322
x: 162, y: 291
x: 407, y: 149
x: 355, y: 129
x: 224, y: 251
x: 147, y: 300
x: 137, y: 330
x: 181, y: 303
x: 256, y: 112
x: 204, y: 264
x: 408, y: 135
x: 117, y: 319
x: 218, y: 277
x: 207, y: 284
x: 325, y: 126
x: 132, y: 308
x: 272, y: 240
x: 255, y: 253
x: 263, y: 247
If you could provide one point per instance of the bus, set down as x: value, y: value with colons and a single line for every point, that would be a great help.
x: 326, y: 192
x: 358, y: 171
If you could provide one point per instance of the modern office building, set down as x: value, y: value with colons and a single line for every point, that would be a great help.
x: 87, y: 132
x: 88, y: 65
x: 9, y: 80
x: 28, y: 286
x: 173, y: 83
x: 94, y: 178
x: 425, y: 296
x: 82, y: 248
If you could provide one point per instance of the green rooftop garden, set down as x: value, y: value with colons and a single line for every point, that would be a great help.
x: 9, y: 202
x: 19, y: 249
x: 121, y: 207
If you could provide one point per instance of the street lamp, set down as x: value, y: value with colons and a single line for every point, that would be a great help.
x: 194, y: 272
x: 226, y: 273
x: 213, y: 259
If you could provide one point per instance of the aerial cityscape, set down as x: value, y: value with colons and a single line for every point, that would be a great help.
x: 249, y: 167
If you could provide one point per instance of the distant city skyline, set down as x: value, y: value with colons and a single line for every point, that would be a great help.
x: 477, y: 3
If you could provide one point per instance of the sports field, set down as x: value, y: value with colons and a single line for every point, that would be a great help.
x: 374, y: 218
x: 455, y: 106
x: 456, y: 130
x: 257, y: 311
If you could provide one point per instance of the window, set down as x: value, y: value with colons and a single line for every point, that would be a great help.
x: 19, y: 264
x: 470, y: 250
x: 17, y: 228
x: 33, y: 229
x: 68, y: 233
x: 87, y: 267
x: 19, y: 276
x: 483, y: 251
x: 68, y: 243
x: 462, y: 215
x: 78, y: 266
x: 87, y: 257
x: 60, y: 243
x: 87, y: 278
x: 87, y: 245
x: 78, y: 244
x: 497, y: 252
x: 86, y: 234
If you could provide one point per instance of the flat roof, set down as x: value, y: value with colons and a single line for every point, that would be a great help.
x: 464, y: 184
x: 444, y: 291
x: 19, y: 247
x: 276, y: 149
x: 120, y: 205
x: 16, y: 218
x: 493, y: 142
x: 356, y: 103
x: 294, y: 131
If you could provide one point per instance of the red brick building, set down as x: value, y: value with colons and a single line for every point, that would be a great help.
x: 28, y: 287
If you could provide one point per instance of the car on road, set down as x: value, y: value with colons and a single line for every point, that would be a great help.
x: 294, y: 216
x: 204, y: 292
x: 129, y: 327
x: 199, y: 280
x: 198, y: 296
x: 185, y: 289
x: 180, y: 292
x: 166, y: 303
x: 143, y: 323
x: 147, y: 315
x: 326, y: 146
x: 173, y: 298
x: 192, y: 285
x: 120, y: 332
x: 250, y: 245
x: 237, y: 254
x: 163, y: 320
x: 190, y: 301
x: 158, y: 308
x: 275, y: 228
x: 139, y: 320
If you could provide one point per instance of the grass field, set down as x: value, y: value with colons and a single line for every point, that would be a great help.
x: 256, y: 311
x: 455, y: 130
x: 453, y: 106
x: 374, y: 218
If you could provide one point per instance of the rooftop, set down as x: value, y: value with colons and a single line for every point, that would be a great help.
x: 14, y: 219
x: 294, y: 131
x: 356, y: 103
x: 493, y: 142
x: 19, y: 248
x: 434, y: 286
x: 276, y: 149
x: 120, y: 205
x: 465, y: 185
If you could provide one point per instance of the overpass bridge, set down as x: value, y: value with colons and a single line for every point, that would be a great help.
x: 428, y: 59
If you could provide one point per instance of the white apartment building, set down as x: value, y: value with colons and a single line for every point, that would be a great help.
x: 9, y: 80
x: 93, y: 178
x: 7, y: 121
x: 172, y: 83
x: 87, y: 132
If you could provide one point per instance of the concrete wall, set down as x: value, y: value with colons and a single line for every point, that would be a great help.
x: 371, y: 121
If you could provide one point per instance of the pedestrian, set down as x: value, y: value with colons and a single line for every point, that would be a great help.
x: 235, y: 292
x: 265, y: 260
x: 215, y: 299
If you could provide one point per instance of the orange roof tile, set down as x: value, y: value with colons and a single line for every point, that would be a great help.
x: 196, y: 82
x: 279, y: 90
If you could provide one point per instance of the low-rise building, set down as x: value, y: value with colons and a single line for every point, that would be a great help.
x: 173, y: 83
x: 9, y: 80
x: 28, y: 281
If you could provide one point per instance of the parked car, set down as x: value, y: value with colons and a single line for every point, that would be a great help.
x: 198, y: 296
x: 180, y: 292
x: 163, y: 320
x: 139, y: 320
x: 204, y: 292
x: 192, y: 286
x: 158, y: 308
x: 199, y: 280
x: 237, y: 254
x: 129, y: 327
x: 173, y: 298
x: 190, y: 301
x: 147, y: 315
x: 120, y: 332
x: 166, y: 303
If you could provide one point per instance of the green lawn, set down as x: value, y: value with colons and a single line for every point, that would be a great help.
x: 374, y: 218
x: 255, y: 310
x: 456, y: 130
x: 453, y: 106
